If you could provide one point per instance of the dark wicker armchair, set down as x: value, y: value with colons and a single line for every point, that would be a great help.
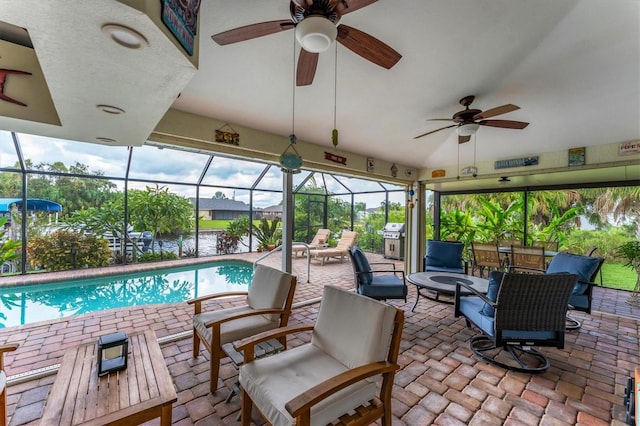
x: 519, y: 311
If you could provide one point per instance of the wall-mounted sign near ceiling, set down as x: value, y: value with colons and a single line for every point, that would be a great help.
x: 516, y: 162
x: 181, y: 17
x: 629, y: 148
x: 438, y: 173
x: 335, y: 158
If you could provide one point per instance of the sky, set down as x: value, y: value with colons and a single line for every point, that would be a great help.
x: 150, y: 162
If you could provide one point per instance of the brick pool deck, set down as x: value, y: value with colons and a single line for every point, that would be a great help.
x: 440, y: 381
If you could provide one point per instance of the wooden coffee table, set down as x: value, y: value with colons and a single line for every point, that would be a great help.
x: 436, y: 284
x: 140, y: 393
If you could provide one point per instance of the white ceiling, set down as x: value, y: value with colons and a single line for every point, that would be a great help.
x: 573, y: 66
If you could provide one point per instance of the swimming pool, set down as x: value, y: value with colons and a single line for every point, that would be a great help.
x: 33, y: 303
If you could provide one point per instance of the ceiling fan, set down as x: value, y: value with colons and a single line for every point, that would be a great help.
x: 317, y: 28
x: 468, y: 120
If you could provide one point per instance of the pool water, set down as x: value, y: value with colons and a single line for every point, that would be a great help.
x: 28, y: 304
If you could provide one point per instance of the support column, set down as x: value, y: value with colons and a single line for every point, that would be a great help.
x: 287, y: 221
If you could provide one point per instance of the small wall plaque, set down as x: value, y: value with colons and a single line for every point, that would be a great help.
x: 371, y: 165
x: 438, y: 173
x: 576, y: 157
x: 629, y: 148
x: 226, y: 134
x: 335, y: 158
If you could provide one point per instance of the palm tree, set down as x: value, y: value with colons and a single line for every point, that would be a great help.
x: 622, y: 203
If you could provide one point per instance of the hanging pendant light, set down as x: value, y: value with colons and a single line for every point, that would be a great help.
x: 290, y: 160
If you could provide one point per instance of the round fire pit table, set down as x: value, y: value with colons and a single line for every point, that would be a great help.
x: 436, y: 284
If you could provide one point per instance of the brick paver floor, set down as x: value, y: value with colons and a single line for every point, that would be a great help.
x: 440, y: 381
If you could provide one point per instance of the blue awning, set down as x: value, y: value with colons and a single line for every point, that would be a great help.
x: 32, y: 204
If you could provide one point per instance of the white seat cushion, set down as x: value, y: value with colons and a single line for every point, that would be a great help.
x: 269, y: 289
x: 236, y: 329
x: 273, y: 381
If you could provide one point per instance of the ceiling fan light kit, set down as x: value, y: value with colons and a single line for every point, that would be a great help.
x: 467, y: 129
x: 316, y: 34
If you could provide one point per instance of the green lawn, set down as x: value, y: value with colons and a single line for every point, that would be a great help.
x: 213, y: 223
x: 616, y: 275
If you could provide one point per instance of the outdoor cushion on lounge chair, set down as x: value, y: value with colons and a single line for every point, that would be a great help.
x: 321, y: 238
x: 347, y: 368
x: 347, y: 240
x: 268, y: 306
x: 378, y: 284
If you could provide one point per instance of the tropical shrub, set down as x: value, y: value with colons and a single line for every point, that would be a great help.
x: 63, y: 249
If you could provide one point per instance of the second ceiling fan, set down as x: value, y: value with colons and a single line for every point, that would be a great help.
x: 317, y: 22
x: 469, y: 120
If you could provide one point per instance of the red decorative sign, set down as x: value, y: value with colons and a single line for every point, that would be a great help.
x: 3, y: 82
x: 335, y: 158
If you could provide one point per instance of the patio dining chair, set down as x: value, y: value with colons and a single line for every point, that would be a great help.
x: 518, y: 312
x: 527, y: 259
x: 345, y: 371
x: 485, y: 256
x: 267, y: 306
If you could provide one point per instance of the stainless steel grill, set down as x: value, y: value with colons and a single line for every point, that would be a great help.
x: 393, y: 234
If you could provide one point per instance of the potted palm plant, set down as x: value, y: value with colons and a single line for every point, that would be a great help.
x: 268, y: 234
x: 630, y: 251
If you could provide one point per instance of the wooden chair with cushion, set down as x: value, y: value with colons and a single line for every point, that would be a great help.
x: 344, y: 372
x: 268, y: 306
x: 3, y: 382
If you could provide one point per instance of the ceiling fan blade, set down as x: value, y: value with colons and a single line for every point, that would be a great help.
x: 496, y: 111
x: 433, y: 131
x: 367, y: 46
x: 249, y: 32
x: 440, y: 119
x: 307, y: 63
x: 463, y: 139
x: 347, y: 6
x: 507, y: 124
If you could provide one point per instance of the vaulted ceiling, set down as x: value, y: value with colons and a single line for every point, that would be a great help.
x: 572, y: 66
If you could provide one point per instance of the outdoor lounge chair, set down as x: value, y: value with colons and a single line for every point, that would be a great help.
x: 445, y: 256
x: 346, y: 371
x: 268, y: 306
x: 347, y: 240
x: 318, y: 241
x: 586, y: 268
x: 3, y: 382
x: 380, y: 284
x: 519, y: 311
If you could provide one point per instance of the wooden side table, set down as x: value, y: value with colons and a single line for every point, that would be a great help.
x: 140, y: 393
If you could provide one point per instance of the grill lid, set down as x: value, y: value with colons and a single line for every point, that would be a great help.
x: 394, y: 227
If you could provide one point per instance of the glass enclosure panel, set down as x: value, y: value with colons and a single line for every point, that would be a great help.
x: 219, y: 208
x: 271, y: 180
x: 372, y: 209
x: 8, y: 155
x: 166, y: 165
x: 360, y: 185
x: 51, y: 154
x: 233, y: 173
